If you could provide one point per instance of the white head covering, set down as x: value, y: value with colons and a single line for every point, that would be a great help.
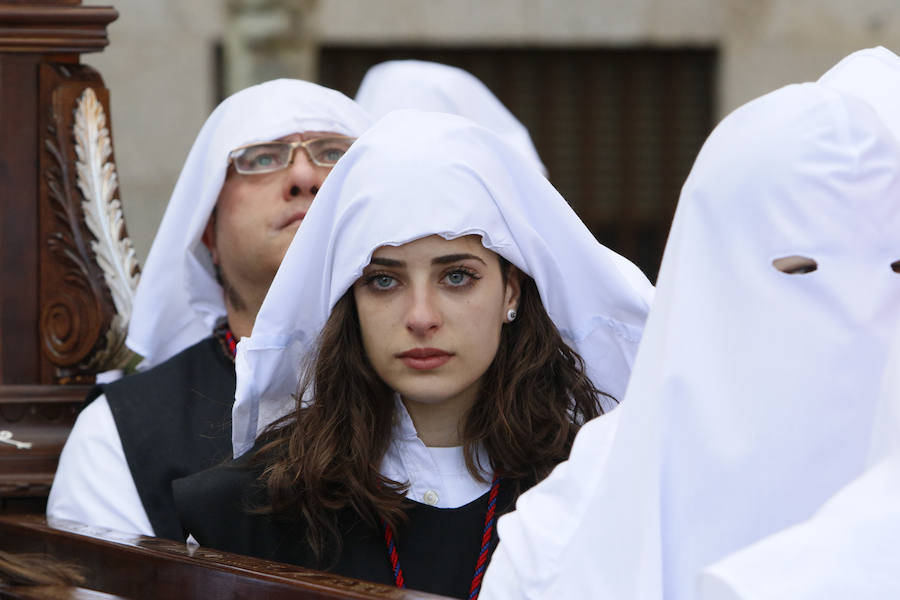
x: 423, y: 85
x: 849, y: 548
x: 416, y: 174
x: 872, y: 75
x: 753, y: 392
x: 178, y: 299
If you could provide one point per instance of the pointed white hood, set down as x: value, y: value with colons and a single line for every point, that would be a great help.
x: 753, y: 394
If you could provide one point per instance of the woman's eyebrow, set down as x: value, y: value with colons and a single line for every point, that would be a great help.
x: 387, y: 262
x: 452, y: 258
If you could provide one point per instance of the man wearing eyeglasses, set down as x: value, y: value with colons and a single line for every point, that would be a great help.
x: 245, y: 188
x: 268, y: 189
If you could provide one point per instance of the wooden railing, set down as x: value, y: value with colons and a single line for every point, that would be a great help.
x: 142, y: 567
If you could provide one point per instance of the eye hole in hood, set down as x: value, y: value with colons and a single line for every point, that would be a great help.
x: 800, y: 265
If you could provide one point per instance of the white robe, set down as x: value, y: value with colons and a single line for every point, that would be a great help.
x: 753, y: 393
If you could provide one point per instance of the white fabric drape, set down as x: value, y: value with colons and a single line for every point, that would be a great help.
x: 416, y: 174
x: 178, y: 299
x: 848, y: 549
x: 872, y: 75
x: 423, y: 85
x: 753, y: 388
x: 93, y: 483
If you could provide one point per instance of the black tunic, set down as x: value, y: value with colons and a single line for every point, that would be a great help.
x: 173, y: 420
x: 438, y: 547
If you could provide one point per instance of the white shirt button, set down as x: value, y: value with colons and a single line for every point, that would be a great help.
x: 430, y: 497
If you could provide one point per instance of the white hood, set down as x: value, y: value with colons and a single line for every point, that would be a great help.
x: 753, y: 394
x: 178, y: 299
x: 415, y: 174
x: 399, y: 84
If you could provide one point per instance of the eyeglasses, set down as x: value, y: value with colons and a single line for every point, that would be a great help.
x: 267, y: 157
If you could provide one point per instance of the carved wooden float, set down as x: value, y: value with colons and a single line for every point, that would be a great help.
x: 67, y: 267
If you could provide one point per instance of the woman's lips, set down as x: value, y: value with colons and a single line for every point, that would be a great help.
x: 424, y: 359
x: 294, y: 218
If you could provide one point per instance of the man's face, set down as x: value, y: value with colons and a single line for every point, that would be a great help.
x: 256, y: 217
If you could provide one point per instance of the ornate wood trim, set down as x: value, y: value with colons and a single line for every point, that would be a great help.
x: 42, y: 2
x: 144, y: 567
x: 27, y: 485
x: 54, y: 29
x: 42, y: 394
x: 104, y: 218
x: 46, y: 248
x: 81, y: 332
x: 42, y: 417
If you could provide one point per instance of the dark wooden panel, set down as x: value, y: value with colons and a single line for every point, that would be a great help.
x: 141, y: 567
x: 618, y: 129
x: 41, y: 345
x: 19, y: 353
x: 41, y: 417
x: 52, y: 592
x: 43, y: 2
x: 54, y: 27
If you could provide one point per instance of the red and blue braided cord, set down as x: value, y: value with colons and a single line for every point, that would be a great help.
x: 485, y: 540
x: 223, y: 333
x: 395, y: 558
x: 480, y: 565
x: 231, y: 342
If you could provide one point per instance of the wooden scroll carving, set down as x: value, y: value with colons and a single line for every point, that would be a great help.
x: 88, y: 267
x: 58, y: 315
x: 103, y: 215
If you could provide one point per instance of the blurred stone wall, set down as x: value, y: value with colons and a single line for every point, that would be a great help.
x: 160, y: 70
x: 267, y: 39
x: 769, y: 43
x: 164, y: 76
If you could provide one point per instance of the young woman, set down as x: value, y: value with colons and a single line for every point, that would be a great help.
x: 456, y: 323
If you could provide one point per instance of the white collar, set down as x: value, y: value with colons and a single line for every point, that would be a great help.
x: 436, y: 476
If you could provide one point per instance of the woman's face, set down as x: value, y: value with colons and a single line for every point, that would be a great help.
x: 431, y: 313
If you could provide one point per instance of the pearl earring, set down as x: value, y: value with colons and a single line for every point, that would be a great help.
x: 511, y: 315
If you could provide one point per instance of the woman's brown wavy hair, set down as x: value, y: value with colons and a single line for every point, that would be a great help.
x: 37, y: 569
x: 324, y: 458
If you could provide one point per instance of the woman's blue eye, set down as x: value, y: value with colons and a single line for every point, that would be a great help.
x: 383, y: 281
x: 457, y: 278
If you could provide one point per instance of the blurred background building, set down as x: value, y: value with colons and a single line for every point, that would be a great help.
x: 618, y: 94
